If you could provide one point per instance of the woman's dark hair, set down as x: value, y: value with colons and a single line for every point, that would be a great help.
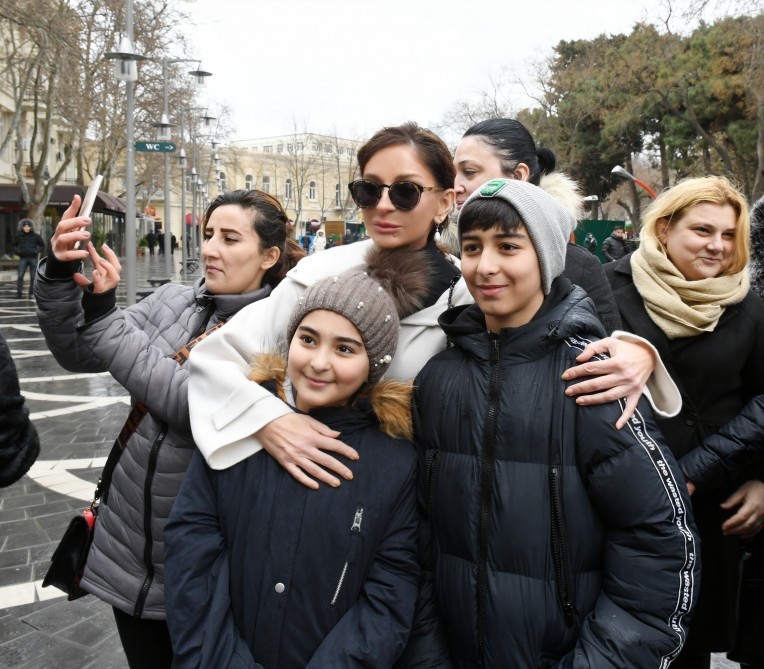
x: 429, y: 148
x: 269, y: 221
x: 484, y: 214
x: 513, y: 144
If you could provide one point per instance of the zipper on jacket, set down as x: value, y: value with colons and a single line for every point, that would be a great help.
x: 431, y: 474
x: 560, y: 547
x: 486, y: 488
x: 147, y: 513
x: 355, y: 530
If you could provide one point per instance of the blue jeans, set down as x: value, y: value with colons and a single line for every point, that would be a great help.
x: 23, y: 264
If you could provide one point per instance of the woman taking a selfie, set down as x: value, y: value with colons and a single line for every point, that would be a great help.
x: 246, y: 254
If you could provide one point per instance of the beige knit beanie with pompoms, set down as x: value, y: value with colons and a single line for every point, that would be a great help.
x: 390, y: 285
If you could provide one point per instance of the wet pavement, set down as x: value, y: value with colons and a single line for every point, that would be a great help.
x: 77, y: 417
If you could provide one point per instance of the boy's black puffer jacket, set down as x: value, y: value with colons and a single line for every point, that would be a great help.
x: 557, y: 540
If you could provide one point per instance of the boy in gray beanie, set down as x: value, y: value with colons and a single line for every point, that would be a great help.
x: 262, y: 571
x: 554, y: 539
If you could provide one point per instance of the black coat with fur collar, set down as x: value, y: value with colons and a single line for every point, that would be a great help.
x: 717, y: 374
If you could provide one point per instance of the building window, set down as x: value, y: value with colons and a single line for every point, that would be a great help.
x: 300, y: 146
x: 316, y: 147
x: 312, y: 190
x: 279, y: 148
x: 337, y: 197
x: 222, y: 182
x: 266, y: 184
x: 268, y: 149
x: 350, y: 151
x: 327, y: 148
x: 249, y: 182
x: 290, y: 148
x: 288, y: 189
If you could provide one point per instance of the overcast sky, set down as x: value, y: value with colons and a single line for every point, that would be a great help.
x: 360, y: 64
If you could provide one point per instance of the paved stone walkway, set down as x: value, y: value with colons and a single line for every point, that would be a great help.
x: 77, y: 417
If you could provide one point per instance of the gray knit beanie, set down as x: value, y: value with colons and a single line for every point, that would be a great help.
x: 549, y: 224
x: 374, y: 297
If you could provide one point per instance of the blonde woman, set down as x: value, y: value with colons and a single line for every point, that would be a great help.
x: 686, y: 290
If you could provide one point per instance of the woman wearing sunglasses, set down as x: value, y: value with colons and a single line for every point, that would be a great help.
x: 406, y: 193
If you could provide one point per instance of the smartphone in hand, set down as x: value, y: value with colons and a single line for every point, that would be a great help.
x: 89, y: 200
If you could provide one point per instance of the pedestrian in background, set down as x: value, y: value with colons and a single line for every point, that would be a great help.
x: 27, y: 247
x: 160, y: 243
x: 151, y: 239
x: 19, y: 443
x: 246, y: 253
x: 590, y: 243
x: 319, y: 243
x: 614, y: 247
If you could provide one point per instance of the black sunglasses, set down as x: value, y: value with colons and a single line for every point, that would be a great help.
x: 403, y: 194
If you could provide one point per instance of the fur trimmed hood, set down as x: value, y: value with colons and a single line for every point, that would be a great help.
x: 756, y: 266
x: 390, y: 400
x: 566, y: 191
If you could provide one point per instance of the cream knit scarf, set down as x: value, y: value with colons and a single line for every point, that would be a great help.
x: 679, y: 307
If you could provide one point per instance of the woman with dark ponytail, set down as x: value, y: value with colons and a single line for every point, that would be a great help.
x: 146, y: 347
x: 504, y: 148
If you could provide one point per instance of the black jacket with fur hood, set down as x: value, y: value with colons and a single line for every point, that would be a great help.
x: 263, y: 572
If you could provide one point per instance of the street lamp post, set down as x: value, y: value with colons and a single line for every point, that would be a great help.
x: 594, y: 200
x: 163, y: 134
x: 621, y: 172
x: 184, y: 234
x: 195, y: 179
x: 127, y: 70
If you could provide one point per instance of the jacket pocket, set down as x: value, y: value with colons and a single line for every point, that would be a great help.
x: 355, y: 533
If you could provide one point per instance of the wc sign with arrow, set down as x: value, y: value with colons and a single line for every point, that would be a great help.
x: 155, y: 147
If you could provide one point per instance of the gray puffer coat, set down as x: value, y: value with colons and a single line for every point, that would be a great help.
x: 125, y: 567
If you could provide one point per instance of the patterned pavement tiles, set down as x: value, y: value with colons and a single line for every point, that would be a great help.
x: 77, y: 417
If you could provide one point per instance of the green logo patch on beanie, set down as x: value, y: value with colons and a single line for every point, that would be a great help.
x: 492, y: 187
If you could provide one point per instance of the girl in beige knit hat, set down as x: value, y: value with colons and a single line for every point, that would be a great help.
x: 262, y: 571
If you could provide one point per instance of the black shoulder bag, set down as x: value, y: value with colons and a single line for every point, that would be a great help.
x: 68, y: 561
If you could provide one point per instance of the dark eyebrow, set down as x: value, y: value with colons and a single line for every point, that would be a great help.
x: 349, y: 340
x: 399, y: 177
x: 315, y: 333
x: 500, y: 235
